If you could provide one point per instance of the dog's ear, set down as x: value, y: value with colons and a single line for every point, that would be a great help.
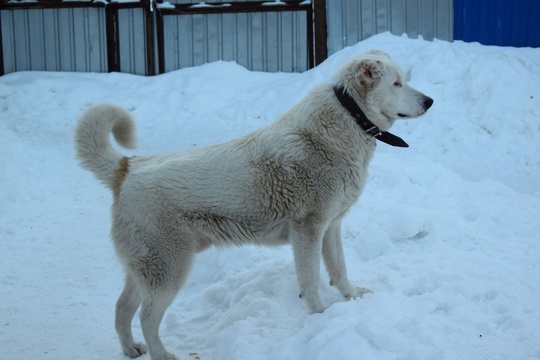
x: 370, y: 71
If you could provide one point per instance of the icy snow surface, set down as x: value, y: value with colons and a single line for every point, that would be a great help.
x: 447, y: 232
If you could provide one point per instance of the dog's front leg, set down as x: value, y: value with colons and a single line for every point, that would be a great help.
x: 306, y: 242
x: 332, y: 251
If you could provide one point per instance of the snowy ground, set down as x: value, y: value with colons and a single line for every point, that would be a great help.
x: 447, y: 232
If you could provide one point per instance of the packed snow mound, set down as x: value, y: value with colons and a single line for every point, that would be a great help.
x: 447, y: 232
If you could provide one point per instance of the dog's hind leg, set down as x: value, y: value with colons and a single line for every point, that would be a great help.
x: 334, y: 260
x: 164, y: 277
x: 126, y: 306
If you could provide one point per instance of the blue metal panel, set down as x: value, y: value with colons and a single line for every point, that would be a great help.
x: 498, y: 22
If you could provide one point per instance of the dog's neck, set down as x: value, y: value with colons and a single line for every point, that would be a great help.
x: 361, y: 119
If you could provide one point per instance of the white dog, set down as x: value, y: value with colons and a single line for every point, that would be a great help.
x: 290, y: 182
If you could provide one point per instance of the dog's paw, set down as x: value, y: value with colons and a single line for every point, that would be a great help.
x: 169, y: 356
x: 358, y: 292
x: 318, y: 310
x: 135, y: 350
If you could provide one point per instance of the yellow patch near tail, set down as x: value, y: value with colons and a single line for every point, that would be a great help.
x: 119, y: 175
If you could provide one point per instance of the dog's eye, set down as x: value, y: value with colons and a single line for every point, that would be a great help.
x: 397, y: 83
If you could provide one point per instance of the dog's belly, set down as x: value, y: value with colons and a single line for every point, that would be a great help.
x: 221, y: 231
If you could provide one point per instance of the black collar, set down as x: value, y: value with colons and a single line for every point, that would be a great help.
x: 362, y: 120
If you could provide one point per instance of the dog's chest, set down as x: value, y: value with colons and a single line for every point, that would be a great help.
x: 351, y: 177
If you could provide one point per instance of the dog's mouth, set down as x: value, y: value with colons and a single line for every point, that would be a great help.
x: 401, y: 115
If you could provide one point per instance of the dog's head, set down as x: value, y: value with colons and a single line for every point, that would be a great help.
x: 379, y: 87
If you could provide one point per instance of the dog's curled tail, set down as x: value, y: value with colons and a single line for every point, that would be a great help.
x: 93, y: 147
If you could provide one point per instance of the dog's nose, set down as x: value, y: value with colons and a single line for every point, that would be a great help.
x: 428, y: 102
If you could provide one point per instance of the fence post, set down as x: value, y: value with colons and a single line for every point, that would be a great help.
x: 1, y: 48
x: 113, y: 47
x: 320, y: 29
x: 149, y: 9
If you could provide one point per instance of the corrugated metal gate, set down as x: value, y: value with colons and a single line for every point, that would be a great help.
x: 147, y: 38
x: 53, y: 38
x: 350, y: 21
x: 266, y: 36
x: 75, y: 36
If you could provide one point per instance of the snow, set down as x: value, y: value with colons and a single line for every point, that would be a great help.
x: 205, y: 5
x: 165, y: 5
x: 446, y: 234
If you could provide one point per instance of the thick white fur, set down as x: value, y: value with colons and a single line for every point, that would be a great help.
x: 290, y: 182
